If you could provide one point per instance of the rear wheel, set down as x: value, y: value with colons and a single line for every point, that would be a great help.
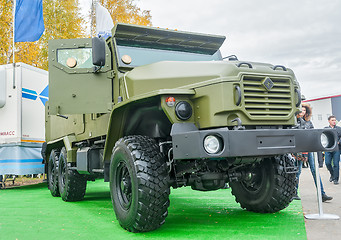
x: 266, y: 187
x: 72, y: 185
x: 52, y: 173
x: 139, y: 184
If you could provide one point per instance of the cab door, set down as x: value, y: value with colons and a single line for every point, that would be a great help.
x: 74, y: 85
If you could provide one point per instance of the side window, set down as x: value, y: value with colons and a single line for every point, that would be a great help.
x: 75, y: 58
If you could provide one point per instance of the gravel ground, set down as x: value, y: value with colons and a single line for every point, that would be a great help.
x: 22, y: 181
x: 320, y: 229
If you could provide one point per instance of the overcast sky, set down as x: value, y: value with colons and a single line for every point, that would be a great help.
x: 304, y: 35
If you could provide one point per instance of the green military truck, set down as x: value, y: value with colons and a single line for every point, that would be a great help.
x: 149, y: 109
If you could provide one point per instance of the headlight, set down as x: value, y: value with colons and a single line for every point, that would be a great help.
x: 183, y: 110
x: 324, y: 140
x: 212, y: 144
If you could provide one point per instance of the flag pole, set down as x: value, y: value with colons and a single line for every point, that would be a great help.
x: 13, y: 46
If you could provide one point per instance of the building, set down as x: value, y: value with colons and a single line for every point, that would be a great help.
x: 323, y: 107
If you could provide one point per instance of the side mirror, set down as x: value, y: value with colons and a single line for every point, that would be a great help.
x: 98, y: 52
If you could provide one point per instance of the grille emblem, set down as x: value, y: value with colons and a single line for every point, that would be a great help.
x: 268, y: 84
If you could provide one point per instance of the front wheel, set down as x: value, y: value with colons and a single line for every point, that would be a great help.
x: 139, y: 184
x: 266, y: 187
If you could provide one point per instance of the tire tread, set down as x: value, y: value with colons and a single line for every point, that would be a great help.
x: 152, y: 179
x: 283, y: 190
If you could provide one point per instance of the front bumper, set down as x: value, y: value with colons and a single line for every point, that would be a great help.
x: 188, y: 141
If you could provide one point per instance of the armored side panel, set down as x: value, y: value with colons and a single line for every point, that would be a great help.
x: 74, y: 85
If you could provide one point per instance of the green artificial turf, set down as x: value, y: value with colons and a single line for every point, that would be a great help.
x: 30, y: 212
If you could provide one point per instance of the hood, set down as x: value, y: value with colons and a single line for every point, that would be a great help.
x: 188, y: 75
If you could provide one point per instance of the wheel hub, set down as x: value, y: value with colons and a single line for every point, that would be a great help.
x: 63, y: 173
x: 124, y: 186
x: 253, y: 180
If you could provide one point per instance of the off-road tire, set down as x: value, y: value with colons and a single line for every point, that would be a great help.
x: 273, y: 188
x: 72, y: 185
x: 52, y: 173
x: 139, y: 184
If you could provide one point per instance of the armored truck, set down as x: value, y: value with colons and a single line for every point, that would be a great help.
x: 148, y: 109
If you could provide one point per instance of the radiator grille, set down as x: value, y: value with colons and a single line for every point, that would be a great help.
x: 262, y: 102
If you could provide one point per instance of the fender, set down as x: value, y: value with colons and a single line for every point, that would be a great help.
x: 63, y: 142
x: 125, y: 120
x: 148, y: 103
x: 114, y: 131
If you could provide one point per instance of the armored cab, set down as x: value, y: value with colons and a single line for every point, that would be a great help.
x: 149, y: 109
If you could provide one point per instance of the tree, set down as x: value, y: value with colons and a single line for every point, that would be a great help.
x: 62, y: 19
x: 6, y: 31
x: 125, y: 11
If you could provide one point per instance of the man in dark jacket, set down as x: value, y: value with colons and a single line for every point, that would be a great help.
x: 333, y: 156
x: 1, y: 182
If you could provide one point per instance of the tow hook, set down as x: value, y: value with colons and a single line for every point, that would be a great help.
x: 239, y: 124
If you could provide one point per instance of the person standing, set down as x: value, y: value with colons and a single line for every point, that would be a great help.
x: 1, y: 182
x: 335, y: 155
x: 303, y: 119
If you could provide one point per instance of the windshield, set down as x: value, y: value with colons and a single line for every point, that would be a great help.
x: 142, y: 56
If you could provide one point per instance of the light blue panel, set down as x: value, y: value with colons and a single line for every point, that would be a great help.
x: 25, y: 90
x: 20, y: 160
